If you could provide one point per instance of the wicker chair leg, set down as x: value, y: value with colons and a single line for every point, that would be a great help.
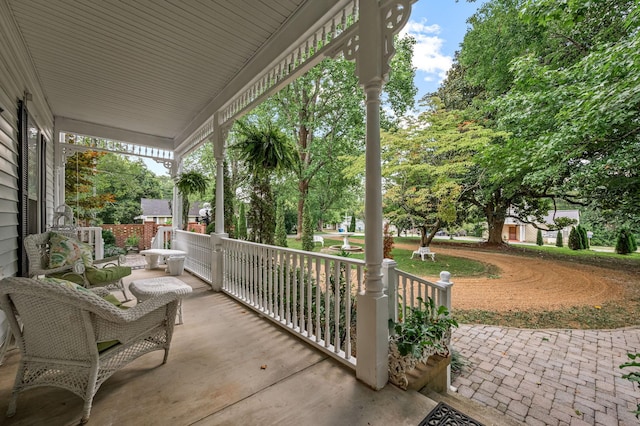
x: 123, y: 289
x: 12, y: 404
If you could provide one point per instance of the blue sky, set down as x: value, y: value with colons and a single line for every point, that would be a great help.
x: 439, y: 27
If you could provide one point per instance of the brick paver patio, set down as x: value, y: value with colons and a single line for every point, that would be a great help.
x: 550, y: 377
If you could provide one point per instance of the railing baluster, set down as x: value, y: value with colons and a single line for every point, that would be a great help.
x: 317, y: 331
x: 327, y: 303
x: 336, y: 308
x: 294, y: 292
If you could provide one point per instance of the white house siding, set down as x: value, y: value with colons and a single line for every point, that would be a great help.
x: 17, y: 76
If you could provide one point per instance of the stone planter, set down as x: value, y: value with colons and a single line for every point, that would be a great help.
x: 409, y: 372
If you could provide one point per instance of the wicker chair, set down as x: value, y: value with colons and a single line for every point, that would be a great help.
x: 107, y: 272
x: 62, y: 333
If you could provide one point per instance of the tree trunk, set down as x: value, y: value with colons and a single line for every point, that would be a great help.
x: 496, y: 213
x: 303, y: 191
x: 425, y: 236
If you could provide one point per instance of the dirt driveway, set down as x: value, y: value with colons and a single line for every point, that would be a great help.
x: 539, y: 284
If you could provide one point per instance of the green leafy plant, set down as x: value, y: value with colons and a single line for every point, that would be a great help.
x: 559, y: 242
x: 634, y: 376
x: 422, y: 326
x: 132, y: 241
x: 539, y: 240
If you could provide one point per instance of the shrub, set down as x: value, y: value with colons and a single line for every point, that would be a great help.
x: 210, y: 228
x: 242, y: 223
x: 559, y: 242
x: 574, y: 239
x: 387, y: 243
x: 539, y: 240
x: 108, y: 237
x: 632, y: 242
x: 623, y: 245
x: 352, y: 226
x: 112, y: 250
x: 584, y: 239
x: 281, y: 231
x: 132, y: 241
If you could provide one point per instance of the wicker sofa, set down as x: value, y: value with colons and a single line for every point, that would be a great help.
x: 72, y: 338
x: 106, y: 272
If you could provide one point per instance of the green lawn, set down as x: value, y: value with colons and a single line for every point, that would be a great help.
x: 458, y: 266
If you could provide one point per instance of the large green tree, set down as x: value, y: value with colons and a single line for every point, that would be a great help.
x: 128, y: 180
x: 588, y: 138
x: 323, y: 112
x: 426, y: 168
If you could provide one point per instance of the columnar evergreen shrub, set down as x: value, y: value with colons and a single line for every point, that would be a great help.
x: 352, y: 226
x: 281, y: 231
x: 307, y: 229
x: 242, y: 223
x: 559, y: 242
x: 632, y: 242
x: 574, y: 239
x: 623, y: 245
x: 584, y: 239
x: 539, y: 240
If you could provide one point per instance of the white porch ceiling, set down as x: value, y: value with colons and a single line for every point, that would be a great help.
x: 151, y: 67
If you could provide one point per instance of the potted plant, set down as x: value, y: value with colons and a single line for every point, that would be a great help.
x: 131, y: 243
x: 422, y: 331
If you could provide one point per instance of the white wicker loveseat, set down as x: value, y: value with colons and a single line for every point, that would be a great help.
x: 106, y: 272
x: 72, y: 338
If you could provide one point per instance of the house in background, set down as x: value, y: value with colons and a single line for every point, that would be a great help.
x: 518, y: 231
x: 159, y: 211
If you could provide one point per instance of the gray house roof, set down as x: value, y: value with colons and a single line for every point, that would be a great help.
x: 571, y: 214
x: 153, y: 207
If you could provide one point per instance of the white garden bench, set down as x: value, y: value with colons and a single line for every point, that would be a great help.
x: 318, y: 239
x: 424, y: 251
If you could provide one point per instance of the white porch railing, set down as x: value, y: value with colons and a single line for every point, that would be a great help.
x: 162, y: 240
x: 92, y: 235
x: 310, y: 294
x: 404, y: 289
x: 199, y: 248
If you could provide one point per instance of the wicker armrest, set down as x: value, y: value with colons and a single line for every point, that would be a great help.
x: 111, y: 260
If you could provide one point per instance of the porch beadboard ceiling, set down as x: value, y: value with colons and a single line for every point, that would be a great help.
x: 151, y: 66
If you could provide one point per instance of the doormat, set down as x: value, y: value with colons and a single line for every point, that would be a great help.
x: 444, y: 414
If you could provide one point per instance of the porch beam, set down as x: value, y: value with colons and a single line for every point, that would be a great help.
x: 63, y: 124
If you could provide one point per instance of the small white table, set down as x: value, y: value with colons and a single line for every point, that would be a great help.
x: 151, y: 255
x: 149, y: 287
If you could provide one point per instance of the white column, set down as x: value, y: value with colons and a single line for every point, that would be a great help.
x: 217, y: 255
x: 176, y: 204
x: 376, y: 29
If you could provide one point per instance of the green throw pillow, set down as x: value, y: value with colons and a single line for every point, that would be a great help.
x: 66, y: 251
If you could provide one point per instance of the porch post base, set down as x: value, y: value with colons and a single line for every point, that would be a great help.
x: 372, y: 343
x: 217, y: 261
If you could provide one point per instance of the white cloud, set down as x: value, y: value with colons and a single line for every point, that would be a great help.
x: 427, y: 52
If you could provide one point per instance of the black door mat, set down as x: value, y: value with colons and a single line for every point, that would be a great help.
x: 445, y: 415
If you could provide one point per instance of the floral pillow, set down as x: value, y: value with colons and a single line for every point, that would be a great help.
x: 66, y: 251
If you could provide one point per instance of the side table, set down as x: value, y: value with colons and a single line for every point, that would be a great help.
x: 149, y: 287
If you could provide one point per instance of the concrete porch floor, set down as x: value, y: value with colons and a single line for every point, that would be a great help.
x: 214, y: 377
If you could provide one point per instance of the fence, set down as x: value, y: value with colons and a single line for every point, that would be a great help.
x: 310, y: 294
